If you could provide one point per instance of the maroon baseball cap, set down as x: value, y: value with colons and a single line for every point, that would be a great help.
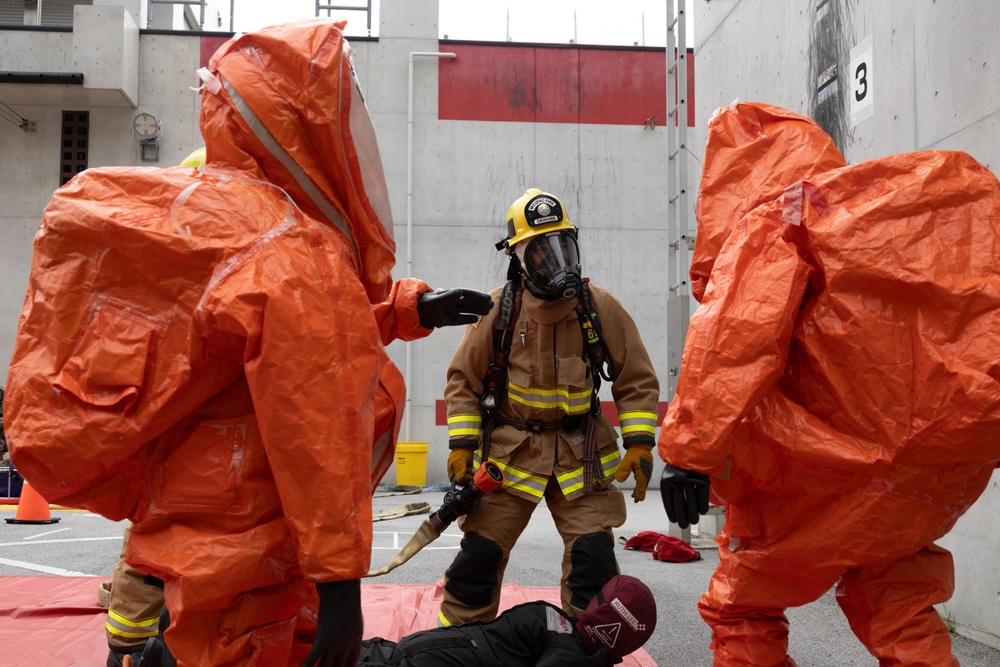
x: 621, y: 617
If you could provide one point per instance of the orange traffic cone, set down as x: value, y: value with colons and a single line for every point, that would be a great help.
x: 32, y: 508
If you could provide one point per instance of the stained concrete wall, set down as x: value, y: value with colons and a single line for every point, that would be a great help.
x: 934, y: 81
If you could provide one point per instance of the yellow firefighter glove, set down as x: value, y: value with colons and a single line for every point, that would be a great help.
x: 460, y: 465
x: 638, y: 461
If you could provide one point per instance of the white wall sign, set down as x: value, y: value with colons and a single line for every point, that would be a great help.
x: 860, y: 88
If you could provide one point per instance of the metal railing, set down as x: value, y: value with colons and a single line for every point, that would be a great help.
x: 59, y: 13
x: 365, y: 7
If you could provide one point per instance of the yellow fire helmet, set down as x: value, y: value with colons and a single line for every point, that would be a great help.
x: 196, y: 160
x: 535, y: 212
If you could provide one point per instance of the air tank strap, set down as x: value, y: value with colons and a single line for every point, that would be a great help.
x: 495, y: 381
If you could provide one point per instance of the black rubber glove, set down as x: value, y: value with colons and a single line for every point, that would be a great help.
x: 685, y: 495
x: 338, y: 627
x: 449, y: 307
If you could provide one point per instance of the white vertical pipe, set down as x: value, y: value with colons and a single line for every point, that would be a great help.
x: 409, y: 213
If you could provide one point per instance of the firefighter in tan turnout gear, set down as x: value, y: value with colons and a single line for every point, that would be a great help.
x: 523, y: 392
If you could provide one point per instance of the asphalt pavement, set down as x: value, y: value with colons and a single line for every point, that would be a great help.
x: 86, y: 544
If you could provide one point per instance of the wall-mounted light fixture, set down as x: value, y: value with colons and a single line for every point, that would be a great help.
x: 146, y: 128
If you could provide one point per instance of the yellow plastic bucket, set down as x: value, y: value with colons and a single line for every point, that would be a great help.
x: 411, y: 463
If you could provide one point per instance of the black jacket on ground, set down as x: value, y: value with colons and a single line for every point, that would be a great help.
x: 528, y: 635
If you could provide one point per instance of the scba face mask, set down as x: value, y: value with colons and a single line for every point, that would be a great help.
x: 551, y: 265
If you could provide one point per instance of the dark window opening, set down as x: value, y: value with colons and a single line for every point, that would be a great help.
x: 76, y: 129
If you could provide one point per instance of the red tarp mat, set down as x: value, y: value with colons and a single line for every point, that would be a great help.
x: 55, y: 621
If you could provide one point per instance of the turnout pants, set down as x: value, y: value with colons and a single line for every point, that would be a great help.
x: 133, y: 605
x: 472, y: 583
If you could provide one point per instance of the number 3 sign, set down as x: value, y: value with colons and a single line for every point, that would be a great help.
x: 861, y: 91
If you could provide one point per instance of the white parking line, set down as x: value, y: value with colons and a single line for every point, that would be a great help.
x: 398, y: 539
x: 35, y: 567
x: 51, y: 532
x: 77, y: 539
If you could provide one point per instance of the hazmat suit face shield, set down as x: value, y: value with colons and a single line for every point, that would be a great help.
x: 369, y: 161
x: 551, y: 265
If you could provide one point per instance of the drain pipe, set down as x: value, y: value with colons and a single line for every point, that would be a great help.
x: 409, y: 212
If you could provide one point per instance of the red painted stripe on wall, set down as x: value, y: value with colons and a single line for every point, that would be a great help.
x: 209, y: 45
x: 555, y: 84
x: 607, y: 407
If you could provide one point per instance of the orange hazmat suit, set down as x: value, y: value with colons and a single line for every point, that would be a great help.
x: 839, y: 382
x: 202, y: 351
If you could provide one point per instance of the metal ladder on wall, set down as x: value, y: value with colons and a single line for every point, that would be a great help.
x: 362, y: 6
x: 681, y: 240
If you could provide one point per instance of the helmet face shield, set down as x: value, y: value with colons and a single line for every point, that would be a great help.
x: 551, y: 264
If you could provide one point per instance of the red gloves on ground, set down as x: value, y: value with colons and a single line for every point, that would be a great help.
x: 664, y: 547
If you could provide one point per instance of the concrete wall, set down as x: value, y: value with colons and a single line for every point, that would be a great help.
x: 466, y: 174
x: 934, y: 81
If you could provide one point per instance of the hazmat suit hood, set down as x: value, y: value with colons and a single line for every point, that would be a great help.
x: 753, y: 151
x: 284, y: 104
